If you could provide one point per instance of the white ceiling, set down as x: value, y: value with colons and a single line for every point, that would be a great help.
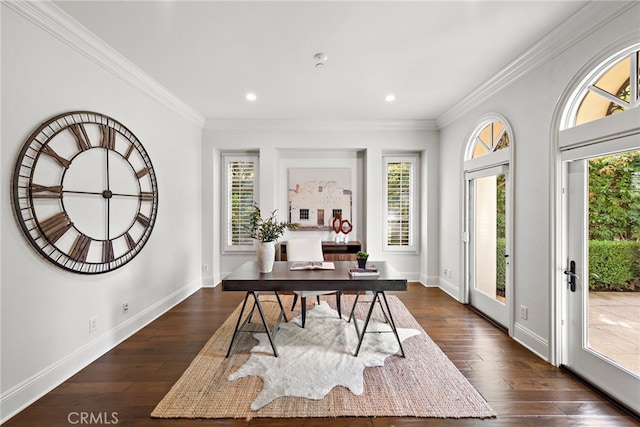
x: 430, y: 54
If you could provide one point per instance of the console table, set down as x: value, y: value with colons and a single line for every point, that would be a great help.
x: 332, y: 251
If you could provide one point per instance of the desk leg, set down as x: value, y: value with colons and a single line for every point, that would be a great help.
x: 282, y: 313
x: 284, y: 316
x: 266, y: 325
x: 393, y: 324
x: 366, y: 323
x: 387, y: 316
x: 353, y: 309
x: 240, y: 324
x: 237, y: 328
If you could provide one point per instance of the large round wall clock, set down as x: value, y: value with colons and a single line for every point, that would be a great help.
x: 85, y: 192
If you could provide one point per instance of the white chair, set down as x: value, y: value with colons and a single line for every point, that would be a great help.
x: 308, y: 249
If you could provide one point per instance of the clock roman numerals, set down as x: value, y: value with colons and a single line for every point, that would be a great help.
x: 142, y: 172
x: 44, y: 192
x: 146, y: 196
x: 80, y: 134
x: 80, y: 248
x: 130, y: 242
x: 55, y: 156
x: 107, y: 137
x: 143, y: 220
x: 129, y: 151
x: 107, y: 251
x: 55, y: 226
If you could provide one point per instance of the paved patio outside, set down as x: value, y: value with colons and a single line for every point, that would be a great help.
x: 614, y: 326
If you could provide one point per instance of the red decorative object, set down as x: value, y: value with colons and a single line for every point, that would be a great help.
x: 340, y: 225
x: 337, y: 223
x: 345, y: 226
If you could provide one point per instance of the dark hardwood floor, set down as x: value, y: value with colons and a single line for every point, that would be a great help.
x: 125, y: 384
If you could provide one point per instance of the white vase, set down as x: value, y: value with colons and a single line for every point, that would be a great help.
x: 266, y: 256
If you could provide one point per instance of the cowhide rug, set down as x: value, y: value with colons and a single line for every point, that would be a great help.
x: 314, y: 359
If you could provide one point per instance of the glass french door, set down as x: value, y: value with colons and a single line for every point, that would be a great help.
x: 602, y: 271
x: 488, y: 266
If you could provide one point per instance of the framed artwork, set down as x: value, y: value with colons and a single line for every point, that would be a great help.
x: 318, y: 195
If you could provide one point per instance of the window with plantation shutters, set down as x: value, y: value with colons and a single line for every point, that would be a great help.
x: 400, y: 203
x: 240, y: 174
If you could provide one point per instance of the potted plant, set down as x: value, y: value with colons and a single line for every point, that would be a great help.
x: 267, y: 232
x: 362, y: 256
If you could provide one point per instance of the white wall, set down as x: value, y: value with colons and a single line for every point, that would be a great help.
x: 529, y: 106
x: 46, y: 310
x: 357, y: 146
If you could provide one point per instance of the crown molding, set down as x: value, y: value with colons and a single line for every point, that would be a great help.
x: 321, y: 125
x: 585, y: 21
x: 56, y: 22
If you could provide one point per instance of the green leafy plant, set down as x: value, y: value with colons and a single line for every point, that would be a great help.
x: 614, y: 197
x: 269, y: 229
x: 613, y: 265
x: 501, y: 265
x: 362, y: 255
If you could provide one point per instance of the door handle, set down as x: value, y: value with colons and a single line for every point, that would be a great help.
x: 572, y: 275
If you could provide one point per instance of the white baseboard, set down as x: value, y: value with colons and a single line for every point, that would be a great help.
x: 449, y: 288
x: 531, y: 341
x: 28, y: 391
x: 413, y: 276
x: 211, y: 281
x: 429, y: 281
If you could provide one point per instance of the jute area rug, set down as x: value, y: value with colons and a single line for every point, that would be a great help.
x: 424, y: 384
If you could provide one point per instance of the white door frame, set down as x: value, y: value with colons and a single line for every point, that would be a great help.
x: 505, y: 319
x: 503, y: 157
x: 586, y: 138
x: 563, y: 136
x: 617, y: 381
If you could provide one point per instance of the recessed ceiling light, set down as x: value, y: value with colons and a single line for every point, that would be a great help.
x: 251, y: 96
x: 390, y: 98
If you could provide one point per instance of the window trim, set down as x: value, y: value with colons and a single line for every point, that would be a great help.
x: 226, y: 159
x: 414, y: 203
x: 597, y: 68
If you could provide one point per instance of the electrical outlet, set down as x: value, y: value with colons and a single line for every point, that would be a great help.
x: 125, y: 307
x: 524, y: 312
x: 205, y: 268
x: 93, y: 324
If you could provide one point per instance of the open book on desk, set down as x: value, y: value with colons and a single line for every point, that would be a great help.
x: 312, y: 265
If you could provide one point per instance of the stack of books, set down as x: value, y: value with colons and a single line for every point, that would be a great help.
x: 370, y: 270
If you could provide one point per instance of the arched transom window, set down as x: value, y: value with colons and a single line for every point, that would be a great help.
x: 612, y: 88
x: 490, y: 138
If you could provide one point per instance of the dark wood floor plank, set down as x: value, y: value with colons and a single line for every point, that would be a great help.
x: 133, y: 377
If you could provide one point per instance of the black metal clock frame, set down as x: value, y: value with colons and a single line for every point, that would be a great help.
x: 45, y: 233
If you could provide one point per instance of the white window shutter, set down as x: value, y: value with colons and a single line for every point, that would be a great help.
x: 240, y: 185
x: 400, y: 203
